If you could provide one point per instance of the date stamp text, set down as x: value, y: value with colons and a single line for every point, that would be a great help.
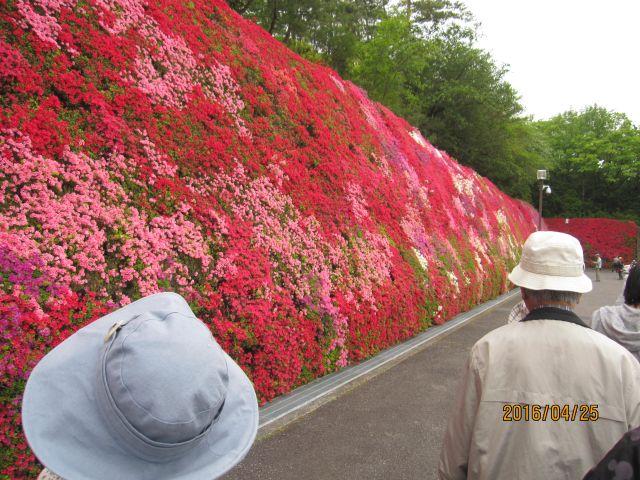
x: 526, y: 412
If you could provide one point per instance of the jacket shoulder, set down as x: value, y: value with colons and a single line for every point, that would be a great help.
x: 556, y: 331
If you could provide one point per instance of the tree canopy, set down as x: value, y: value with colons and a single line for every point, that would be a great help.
x: 420, y: 58
x: 594, y: 164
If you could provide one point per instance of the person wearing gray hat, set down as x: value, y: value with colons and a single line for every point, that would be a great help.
x: 144, y: 393
x: 544, y: 397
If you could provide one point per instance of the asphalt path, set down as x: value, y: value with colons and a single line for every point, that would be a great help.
x: 390, y: 427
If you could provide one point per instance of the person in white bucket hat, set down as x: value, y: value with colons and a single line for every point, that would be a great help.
x: 144, y: 393
x: 545, y: 397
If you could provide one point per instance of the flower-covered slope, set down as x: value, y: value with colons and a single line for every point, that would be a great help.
x: 172, y: 145
x: 606, y: 236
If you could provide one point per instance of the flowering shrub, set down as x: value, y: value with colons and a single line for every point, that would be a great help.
x: 606, y: 236
x: 150, y: 146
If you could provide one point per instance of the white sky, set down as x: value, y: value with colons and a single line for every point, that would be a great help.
x: 566, y: 54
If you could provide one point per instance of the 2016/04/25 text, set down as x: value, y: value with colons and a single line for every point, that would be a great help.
x: 517, y: 412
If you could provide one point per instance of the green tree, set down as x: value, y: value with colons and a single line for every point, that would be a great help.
x: 435, y: 18
x: 594, y: 164
x: 388, y: 63
x: 326, y: 29
x: 419, y: 58
x: 425, y: 67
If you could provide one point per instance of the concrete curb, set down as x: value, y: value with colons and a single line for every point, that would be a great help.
x: 286, y: 409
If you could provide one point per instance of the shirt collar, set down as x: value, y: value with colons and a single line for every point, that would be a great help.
x: 555, y: 313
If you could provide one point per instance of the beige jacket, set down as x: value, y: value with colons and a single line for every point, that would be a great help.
x: 545, y: 363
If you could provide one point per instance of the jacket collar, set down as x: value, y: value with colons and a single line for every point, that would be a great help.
x: 554, y: 313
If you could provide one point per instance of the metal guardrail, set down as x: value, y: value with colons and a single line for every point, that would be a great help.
x: 312, y: 392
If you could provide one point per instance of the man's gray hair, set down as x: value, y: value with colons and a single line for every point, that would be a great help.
x: 542, y: 297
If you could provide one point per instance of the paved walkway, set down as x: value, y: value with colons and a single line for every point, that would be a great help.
x: 392, y: 426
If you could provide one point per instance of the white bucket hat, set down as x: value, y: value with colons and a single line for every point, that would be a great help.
x: 551, y: 261
x: 144, y: 393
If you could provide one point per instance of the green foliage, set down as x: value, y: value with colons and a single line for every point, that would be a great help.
x: 389, y: 62
x: 331, y: 27
x: 419, y: 58
x: 594, y: 164
x: 426, y: 69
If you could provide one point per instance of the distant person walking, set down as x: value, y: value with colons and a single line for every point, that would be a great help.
x: 598, y: 266
x: 622, y: 322
x: 618, y: 267
x: 544, y: 397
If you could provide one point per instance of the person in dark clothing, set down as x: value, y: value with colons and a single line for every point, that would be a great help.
x: 621, y: 462
x: 618, y: 265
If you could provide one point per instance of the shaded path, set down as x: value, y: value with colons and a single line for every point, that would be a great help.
x: 392, y: 426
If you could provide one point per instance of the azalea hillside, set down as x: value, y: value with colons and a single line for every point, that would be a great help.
x: 173, y: 145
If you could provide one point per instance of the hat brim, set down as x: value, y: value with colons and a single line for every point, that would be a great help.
x: 66, y: 431
x: 536, y: 281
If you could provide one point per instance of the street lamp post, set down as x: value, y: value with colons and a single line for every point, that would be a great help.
x: 542, y: 176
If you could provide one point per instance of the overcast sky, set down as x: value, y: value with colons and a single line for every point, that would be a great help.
x: 566, y: 54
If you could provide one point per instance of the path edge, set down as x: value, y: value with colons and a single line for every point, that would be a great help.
x: 279, y: 413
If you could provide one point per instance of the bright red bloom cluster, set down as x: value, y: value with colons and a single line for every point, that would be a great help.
x: 606, y: 236
x: 171, y: 145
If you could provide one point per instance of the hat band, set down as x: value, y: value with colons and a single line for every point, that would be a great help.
x: 552, y: 270
x: 127, y: 436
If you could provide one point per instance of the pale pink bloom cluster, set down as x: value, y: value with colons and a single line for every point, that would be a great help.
x: 383, y: 163
x: 368, y: 108
x: 26, y: 250
x: 430, y: 247
x: 421, y: 192
x: 463, y: 185
x: 501, y: 218
x: 159, y: 162
x: 479, y: 248
x: 507, y: 245
x: 419, y: 139
x: 286, y: 86
x: 278, y: 173
x: 76, y: 216
x: 360, y: 262
x: 46, y: 204
x: 453, y: 279
x: 372, y: 254
x: 458, y: 204
x: 423, y: 244
x: 166, y: 68
x: 414, y: 228
x: 150, y: 250
x: 338, y: 82
x: 357, y: 201
x: 486, y: 223
x: 394, y: 153
x: 295, y: 245
x: 421, y: 259
x: 304, y: 262
x: 44, y: 25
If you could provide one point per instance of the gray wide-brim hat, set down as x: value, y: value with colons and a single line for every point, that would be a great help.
x: 144, y: 393
x: 551, y: 261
